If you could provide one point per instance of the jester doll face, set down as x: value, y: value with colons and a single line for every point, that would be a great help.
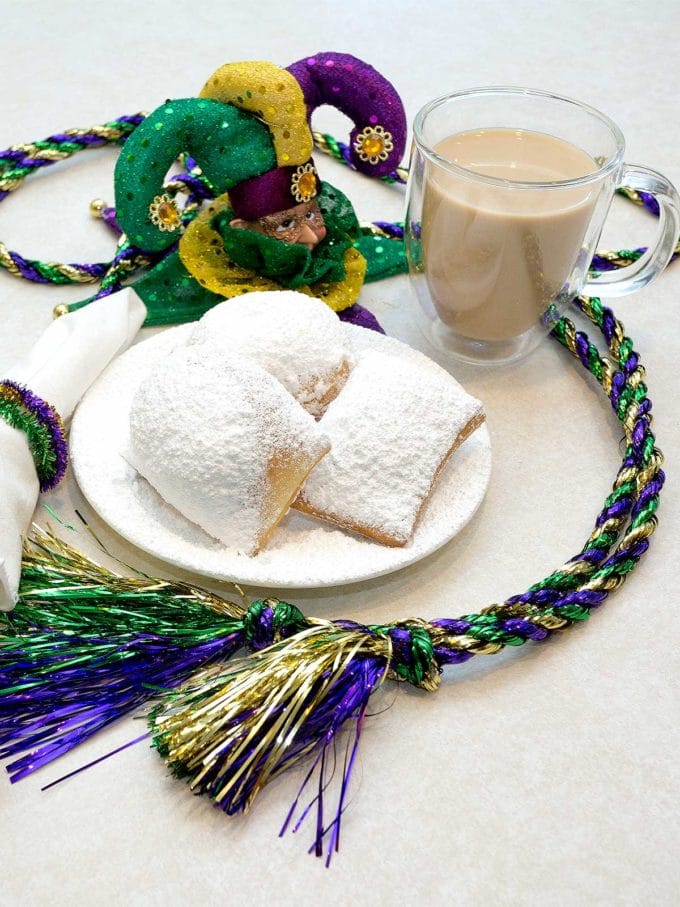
x: 302, y: 224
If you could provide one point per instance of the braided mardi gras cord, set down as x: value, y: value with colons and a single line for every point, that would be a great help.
x: 86, y: 645
x: 19, y: 161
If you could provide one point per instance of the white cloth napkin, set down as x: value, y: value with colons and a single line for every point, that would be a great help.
x: 72, y: 352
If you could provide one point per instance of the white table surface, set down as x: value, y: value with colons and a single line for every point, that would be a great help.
x: 546, y: 775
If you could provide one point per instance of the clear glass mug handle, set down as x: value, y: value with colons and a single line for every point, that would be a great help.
x: 657, y: 256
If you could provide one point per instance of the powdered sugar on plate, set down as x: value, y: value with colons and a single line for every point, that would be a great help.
x: 303, y: 552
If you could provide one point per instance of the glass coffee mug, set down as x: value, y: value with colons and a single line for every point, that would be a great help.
x: 508, y: 192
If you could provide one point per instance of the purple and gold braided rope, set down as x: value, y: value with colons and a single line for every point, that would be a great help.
x: 20, y: 161
x: 43, y: 427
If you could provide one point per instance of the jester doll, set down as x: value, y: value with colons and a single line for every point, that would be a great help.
x: 272, y: 223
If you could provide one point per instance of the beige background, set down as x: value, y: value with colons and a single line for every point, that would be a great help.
x: 546, y: 775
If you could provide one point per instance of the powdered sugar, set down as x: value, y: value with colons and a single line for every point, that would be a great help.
x: 295, y: 337
x: 205, y: 429
x: 391, y: 428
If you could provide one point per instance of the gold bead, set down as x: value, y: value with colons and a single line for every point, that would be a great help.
x: 60, y: 309
x: 97, y: 205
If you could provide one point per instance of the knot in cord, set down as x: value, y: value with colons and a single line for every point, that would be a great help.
x: 269, y: 620
x: 412, y: 655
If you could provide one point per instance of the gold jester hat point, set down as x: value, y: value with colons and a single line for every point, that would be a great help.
x: 274, y: 96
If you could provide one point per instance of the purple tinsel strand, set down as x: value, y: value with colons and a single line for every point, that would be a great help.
x: 546, y: 596
x: 444, y: 656
x: 594, y: 555
x: 11, y: 154
x: 106, y: 291
x: 649, y: 492
x: 640, y: 431
x: 618, y: 383
x: 635, y: 551
x: 79, y: 702
x: 26, y: 162
x: 343, y: 701
x: 602, y: 264
x: 608, y: 325
x: 96, y: 269
x: 631, y: 363
x: 197, y: 187
x: 87, y: 140
x: 582, y: 348
x: 402, y: 649
x: 618, y: 509
x: 638, y: 445
x: 584, y: 598
x: 346, y: 154
x: 262, y: 626
x: 454, y: 627
x: 135, y: 119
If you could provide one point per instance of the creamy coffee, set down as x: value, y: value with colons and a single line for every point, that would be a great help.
x: 495, y: 256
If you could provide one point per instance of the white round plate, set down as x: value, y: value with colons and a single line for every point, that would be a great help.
x: 303, y: 552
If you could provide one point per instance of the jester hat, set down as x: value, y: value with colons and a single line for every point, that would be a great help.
x: 249, y: 133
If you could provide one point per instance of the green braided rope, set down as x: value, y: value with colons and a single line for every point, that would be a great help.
x: 20, y: 161
x: 633, y: 480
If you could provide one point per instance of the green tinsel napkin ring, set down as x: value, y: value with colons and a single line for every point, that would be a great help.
x: 43, y: 427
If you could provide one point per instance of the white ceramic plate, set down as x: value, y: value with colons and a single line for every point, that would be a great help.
x: 303, y: 552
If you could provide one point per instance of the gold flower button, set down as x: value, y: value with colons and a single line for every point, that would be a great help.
x: 373, y: 144
x: 164, y: 214
x: 303, y: 185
